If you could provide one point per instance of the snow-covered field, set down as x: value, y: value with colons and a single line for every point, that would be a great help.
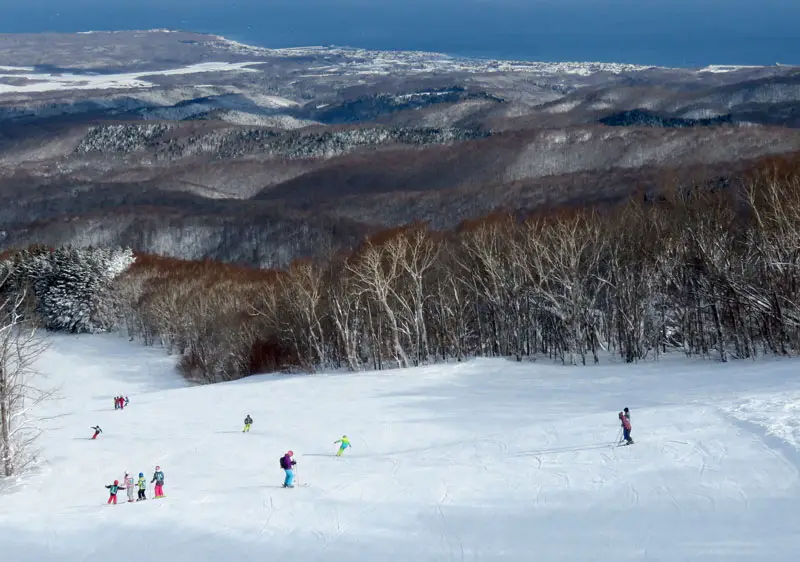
x: 26, y: 80
x: 486, y: 460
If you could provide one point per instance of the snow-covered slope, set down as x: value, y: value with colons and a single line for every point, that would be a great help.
x: 486, y: 460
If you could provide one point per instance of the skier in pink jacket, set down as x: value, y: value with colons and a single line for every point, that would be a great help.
x: 130, y: 486
x: 626, y: 428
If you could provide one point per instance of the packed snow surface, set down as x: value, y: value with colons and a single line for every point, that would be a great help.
x: 484, y: 460
x: 26, y: 80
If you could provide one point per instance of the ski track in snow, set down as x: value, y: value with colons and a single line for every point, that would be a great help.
x: 484, y: 460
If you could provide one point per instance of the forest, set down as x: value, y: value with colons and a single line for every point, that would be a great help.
x: 705, y: 271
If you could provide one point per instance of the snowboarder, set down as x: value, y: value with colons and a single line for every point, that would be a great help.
x: 287, y: 464
x: 158, y: 478
x: 97, y: 431
x: 113, y: 489
x: 130, y: 487
x: 626, y: 429
x: 142, y: 483
x: 345, y: 443
x: 248, y: 421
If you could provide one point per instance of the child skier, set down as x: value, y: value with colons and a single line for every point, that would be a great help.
x: 113, y: 489
x: 248, y: 421
x: 626, y: 429
x: 158, y: 478
x: 116, y: 402
x: 345, y: 443
x: 97, y: 431
x: 142, y: 483
x: 127, y: 401
x: 627, y: 413
x: 287, y: 464
x: 130, y: 487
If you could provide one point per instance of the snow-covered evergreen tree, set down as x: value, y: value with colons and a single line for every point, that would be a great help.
x: 72, y: 286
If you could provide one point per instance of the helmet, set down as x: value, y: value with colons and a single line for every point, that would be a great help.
x: 141, y: 475
x: 625, y: 410
x: 116, y: 482
x: 290, y: 453
x: 158, y: 467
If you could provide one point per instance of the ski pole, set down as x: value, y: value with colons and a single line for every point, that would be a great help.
x: 619, y: 436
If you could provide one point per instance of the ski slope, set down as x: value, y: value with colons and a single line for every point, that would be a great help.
x: 483, y: 461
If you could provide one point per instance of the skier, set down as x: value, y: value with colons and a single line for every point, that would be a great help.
x: 345, y: 443
x: 287, y: 464
x: 248, y: 421
x: 130, y: 486
x: 142, y: 487
x: 127, y: 401
x: 626, y: 429
x: 627, y: 413
x: 121, y: 403
x: 113, y: 489
x: 97, y: 431
x: 116, y: 402
x: 158, y: 478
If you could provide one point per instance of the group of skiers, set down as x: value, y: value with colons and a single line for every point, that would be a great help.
x: 287, y: 462
x: 120, y: 402
x: 131, y: 485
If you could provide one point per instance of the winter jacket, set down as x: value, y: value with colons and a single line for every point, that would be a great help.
x: 158, y: 478
x: 287, y: 463
x: 248, y: 420
x: 344, y: 441
x: 113, y: 489
x: 130, y: 482
x: 626, y: 423
x: 142, y: 483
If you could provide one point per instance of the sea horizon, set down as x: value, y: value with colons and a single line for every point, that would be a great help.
x: 678, y: 35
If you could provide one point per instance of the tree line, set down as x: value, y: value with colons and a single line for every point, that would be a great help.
x: 712, y: 273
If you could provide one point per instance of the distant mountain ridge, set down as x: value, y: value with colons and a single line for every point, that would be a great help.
x: 193, y: 145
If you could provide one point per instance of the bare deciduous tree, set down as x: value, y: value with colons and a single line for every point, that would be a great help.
x: 20, y: 345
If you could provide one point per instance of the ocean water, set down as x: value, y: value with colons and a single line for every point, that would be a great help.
x: 670, y: 33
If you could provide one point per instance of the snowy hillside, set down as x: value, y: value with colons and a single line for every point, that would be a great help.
x: 487, y: 460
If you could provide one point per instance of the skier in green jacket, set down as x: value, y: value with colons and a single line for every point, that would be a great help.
x: 344, y: 444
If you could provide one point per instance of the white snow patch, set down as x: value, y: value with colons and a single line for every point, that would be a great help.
x: 45, y: 82
x: 778, y: 414
x: 724, y: 68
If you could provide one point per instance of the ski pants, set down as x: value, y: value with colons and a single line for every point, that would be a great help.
x: 141, y: 495
x: 159, y: 491
x: 626, y: 434
x: 96, y: 433
x: 289, y: 477
x: 246, y: 427
x: 131, y: 497
x: 112, y: 499
x: 341, y: 450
